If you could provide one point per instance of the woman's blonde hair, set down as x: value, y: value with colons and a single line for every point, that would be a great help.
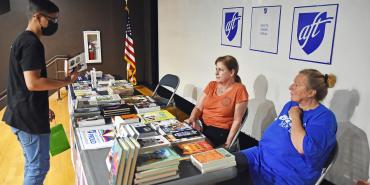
x: 319, y: 82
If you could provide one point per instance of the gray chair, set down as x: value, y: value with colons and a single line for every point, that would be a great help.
x: 329, y: 163
x: 167, y: 81
x: 234, y: 145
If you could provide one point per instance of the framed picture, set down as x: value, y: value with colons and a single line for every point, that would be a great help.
x: 92, y: 46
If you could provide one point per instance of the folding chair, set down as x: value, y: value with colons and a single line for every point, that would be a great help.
x: 168, y: 80
x: 234, y: 145
x: 329, y: 163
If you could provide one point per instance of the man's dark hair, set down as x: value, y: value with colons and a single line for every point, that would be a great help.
x: 43, y: 6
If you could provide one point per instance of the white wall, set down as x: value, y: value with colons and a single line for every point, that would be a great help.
x: 190, y: 41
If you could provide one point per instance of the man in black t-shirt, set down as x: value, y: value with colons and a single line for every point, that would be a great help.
x: 27, y: 111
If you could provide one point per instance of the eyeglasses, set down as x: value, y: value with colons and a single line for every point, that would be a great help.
x: 52, y: 19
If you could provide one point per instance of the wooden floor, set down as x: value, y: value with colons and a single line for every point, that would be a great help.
x: 11, y: 156
x: 61, y: 169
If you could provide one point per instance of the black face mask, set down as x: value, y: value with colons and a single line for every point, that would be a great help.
x: 51, y: 29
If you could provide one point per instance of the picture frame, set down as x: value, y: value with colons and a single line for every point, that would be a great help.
x: 92, y: 46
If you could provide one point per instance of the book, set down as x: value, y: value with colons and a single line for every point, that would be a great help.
x: 96, y: 137
x: 125, y: 119
x: 134, y: 160
x: 114, y: 99
x: 75, y: 63
x: 152, y: 143
x: 142, y: 103
x: 143, y: 130
x: 157, y: 171
x: 128, y: 165
x: 185, y: 149
x: 211, y: 158
x: 177, y: 132
x: 157, y: 181
x: 90, y: 121
x: 157, y: 159
x: 149, y: 179
x: 115, y: 160
x: 156, y: 116
x: 218, y: 167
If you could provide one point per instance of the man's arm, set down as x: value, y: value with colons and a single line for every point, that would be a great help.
x: 36, y: 83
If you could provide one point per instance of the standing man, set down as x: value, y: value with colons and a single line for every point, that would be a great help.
x: 27, y: 111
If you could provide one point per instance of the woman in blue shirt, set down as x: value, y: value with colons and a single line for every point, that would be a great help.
x: 294, y: 148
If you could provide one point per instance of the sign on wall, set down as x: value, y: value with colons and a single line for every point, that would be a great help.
x: 313, y: 32
x: 232, y: 27
x: 265, y: 26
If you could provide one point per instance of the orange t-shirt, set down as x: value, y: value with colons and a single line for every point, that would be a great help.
x: 218, y: 111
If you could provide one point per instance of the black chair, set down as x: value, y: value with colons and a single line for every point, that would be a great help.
x: 329, y: 163
x: 167, y: 81
x: 234, y: 145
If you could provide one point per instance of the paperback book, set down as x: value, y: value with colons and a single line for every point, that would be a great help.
x: 212, y: 159
x: 156, y: 116
x: 96, y: 137
x: 186, y: 149
x: 157, y: 159
x: 152, y: 143
x: 143, y: 130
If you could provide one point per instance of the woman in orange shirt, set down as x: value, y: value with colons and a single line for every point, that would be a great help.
x: 222, y: 104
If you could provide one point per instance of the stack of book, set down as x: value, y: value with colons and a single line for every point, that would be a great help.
x: 116, y: 110
x: 157, y: 166
x: 90, y: 121
x: 86, y: 112
x: 125, y: 119
x: 177, y: 132
x: 213, y: 160
x: 142, y: 103
x: 148, y: 139
x: 121, y: 87
x: 121, y: 161
x: 114, y: 99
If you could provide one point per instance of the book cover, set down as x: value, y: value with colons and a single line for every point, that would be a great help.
x: 193, y: 147
x: 125, y: 119
x: 128, y: 165
x: 96, y: 137
x: 157, y: 159
x: 156, y: 116
x: 143, y: 130
x: 134, y: 160
x: 76, y: 63
x: 90, y: 121
x: 211, y: 158
x: 115, y: 158
x: 152, y: 143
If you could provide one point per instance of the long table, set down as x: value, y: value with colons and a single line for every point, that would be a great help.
x: 91, y: 169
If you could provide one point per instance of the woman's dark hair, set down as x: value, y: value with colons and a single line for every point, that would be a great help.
x: 231, y: 63
x: 43, y: 6
x: 319, y: 82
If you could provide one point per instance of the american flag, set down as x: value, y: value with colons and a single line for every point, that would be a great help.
x: 130, y: 53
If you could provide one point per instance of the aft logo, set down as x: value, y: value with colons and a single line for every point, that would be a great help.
x: 232, y: 26
x: 313, y: 31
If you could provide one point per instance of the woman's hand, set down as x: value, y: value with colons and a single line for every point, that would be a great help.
x: 295, y: 113
x: 194, y: 123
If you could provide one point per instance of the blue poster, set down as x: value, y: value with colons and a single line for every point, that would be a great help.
x: 232, y: 26
x: 313, y: 32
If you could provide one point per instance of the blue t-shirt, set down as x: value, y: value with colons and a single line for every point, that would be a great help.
x: 276, y: 161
